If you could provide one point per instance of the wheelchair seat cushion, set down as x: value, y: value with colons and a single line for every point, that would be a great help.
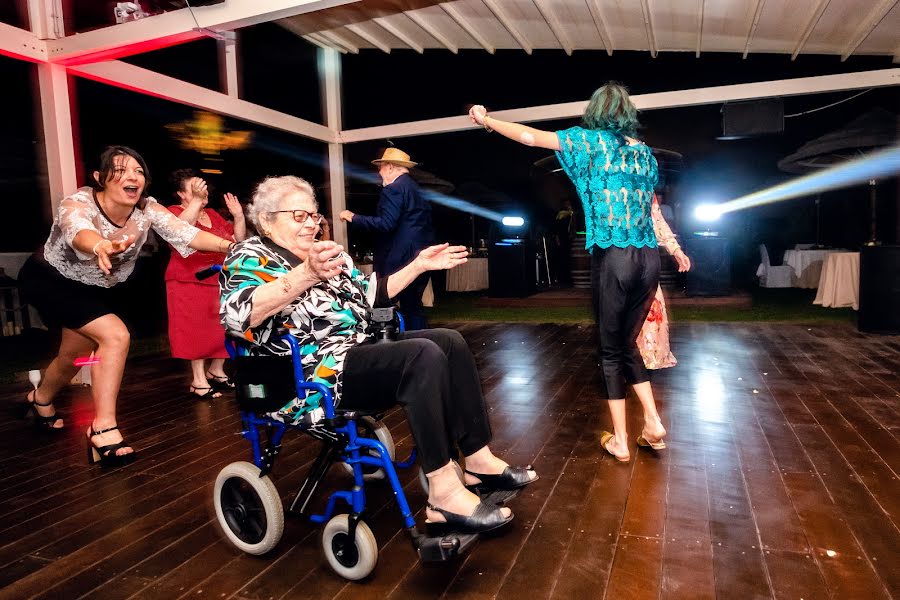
x: 264, y: 384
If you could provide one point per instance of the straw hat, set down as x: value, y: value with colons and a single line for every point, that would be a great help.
x: 395, y: 156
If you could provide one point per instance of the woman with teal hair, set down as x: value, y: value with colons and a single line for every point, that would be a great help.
x: 614, y: 174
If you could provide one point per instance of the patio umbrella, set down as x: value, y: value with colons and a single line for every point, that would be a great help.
x: 876, y: 128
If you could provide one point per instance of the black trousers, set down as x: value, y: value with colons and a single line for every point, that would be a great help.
x: 623, y: 282
x: 410, y: 300
x: 432, y: 375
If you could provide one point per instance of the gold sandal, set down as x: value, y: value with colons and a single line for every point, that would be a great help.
x: 605, y: 438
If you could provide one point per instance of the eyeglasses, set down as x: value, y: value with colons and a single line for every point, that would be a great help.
x: 301, y: 215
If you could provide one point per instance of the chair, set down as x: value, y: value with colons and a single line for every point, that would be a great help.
x: 772, y: 277
x: 248, y: 506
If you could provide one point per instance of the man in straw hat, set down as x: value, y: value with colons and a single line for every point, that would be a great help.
x: 402, y: 226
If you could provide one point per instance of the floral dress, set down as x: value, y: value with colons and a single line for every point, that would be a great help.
x: 328, y: 319
x: 653, y: 340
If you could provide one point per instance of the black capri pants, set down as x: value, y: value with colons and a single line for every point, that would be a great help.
x: 432, y: 375
x: 623, y: 282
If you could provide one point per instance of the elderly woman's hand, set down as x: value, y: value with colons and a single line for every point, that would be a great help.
x: 477, y: 113
x: 323, y: 262
x: 442, y: 256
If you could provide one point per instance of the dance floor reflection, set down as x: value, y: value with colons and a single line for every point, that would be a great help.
x: 780, y: 480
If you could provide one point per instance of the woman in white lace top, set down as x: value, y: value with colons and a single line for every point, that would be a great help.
x: 93, y: 246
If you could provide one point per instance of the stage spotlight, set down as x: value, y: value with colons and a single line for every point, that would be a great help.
x: 513, y: 221
x: 708, y: 213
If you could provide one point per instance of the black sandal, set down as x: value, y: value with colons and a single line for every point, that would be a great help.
x: 512, y: 478
x: 220, y: 382
x: 211, y: 392
x: 40, y: 421
x: 485, y: 517
x: 106, y: 455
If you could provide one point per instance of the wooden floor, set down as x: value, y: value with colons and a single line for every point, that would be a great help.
x: 780, y: 480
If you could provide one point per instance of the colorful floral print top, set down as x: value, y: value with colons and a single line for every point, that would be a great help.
x: 328, y: 319
x: 615, y: 182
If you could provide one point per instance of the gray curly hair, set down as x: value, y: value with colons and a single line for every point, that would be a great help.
x: 271, y: 191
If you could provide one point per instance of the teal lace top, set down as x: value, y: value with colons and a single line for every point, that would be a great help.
x: 615, y: 182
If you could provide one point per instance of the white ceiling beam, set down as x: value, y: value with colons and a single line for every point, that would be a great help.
x: 398, y: 33
x: 754, y: 22
x: 369, y: 37
x: 868, y: 26
x: 648, y: 27
x: 433, y: 31
x: 316, y: 41
x: 457, y: 16
x: 554, y: 25
x: 324, y: 42
x: 660, y: 100
x: 700, y: 27
x: 144, y: 81
x: 600, y: 24
x: 504, y: 19
x: 810, y: 26
x: 340, y: 41
x: 19, y: 43
x: 177, y: 26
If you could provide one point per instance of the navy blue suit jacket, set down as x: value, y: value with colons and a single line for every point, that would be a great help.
x: 402, y: 225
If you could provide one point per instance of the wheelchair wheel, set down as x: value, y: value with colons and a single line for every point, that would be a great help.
x: 351, y: 559
x: 423, y: 480
x: 371, y: 428
x: 248, y: 508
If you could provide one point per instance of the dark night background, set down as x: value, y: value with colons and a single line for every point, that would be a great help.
x: 279, y: 71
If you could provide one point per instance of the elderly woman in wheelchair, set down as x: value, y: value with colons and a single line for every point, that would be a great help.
x: 284, y: 289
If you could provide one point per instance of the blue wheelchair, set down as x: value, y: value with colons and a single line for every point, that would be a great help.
x: 247, y: 505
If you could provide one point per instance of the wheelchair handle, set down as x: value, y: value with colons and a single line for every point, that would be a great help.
x: 207, y: 272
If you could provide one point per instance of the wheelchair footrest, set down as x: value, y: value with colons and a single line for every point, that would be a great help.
x: 446, y: 547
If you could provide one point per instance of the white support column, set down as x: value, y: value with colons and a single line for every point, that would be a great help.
x: 58, y: 141
x: 229, y: 69
x: 330, y: 75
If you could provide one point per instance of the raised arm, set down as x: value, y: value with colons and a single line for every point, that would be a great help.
x: 269, y: 298
x: 237, y: 213
x: 433, y: 258
x: 199, y: 193
x: 517, y: 132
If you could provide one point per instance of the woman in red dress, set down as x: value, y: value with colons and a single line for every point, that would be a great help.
x: 195, y: 333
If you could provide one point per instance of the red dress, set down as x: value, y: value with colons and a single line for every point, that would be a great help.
x: 194, y: 328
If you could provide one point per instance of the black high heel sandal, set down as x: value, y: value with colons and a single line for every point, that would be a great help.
x: 40, y: 421
x: 106, y: 455
x: 221, y: 383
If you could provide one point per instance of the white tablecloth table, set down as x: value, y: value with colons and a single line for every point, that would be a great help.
x: 427, y: 295
x: 470, y: 276
x: 839, y: 283
x: 807, y: 266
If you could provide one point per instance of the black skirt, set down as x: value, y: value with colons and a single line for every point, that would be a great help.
x: 64, y: 302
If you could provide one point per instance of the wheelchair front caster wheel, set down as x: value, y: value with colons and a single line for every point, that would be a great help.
x: 351, y: 559
x: 248, y: 508
x: 376, y: 430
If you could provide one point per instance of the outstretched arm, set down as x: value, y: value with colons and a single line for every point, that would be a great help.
x: 433, y: 258
x: 514, y: 131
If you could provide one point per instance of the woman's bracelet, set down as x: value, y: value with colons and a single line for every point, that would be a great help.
x: 485, y: 125
x: 94, y: 249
